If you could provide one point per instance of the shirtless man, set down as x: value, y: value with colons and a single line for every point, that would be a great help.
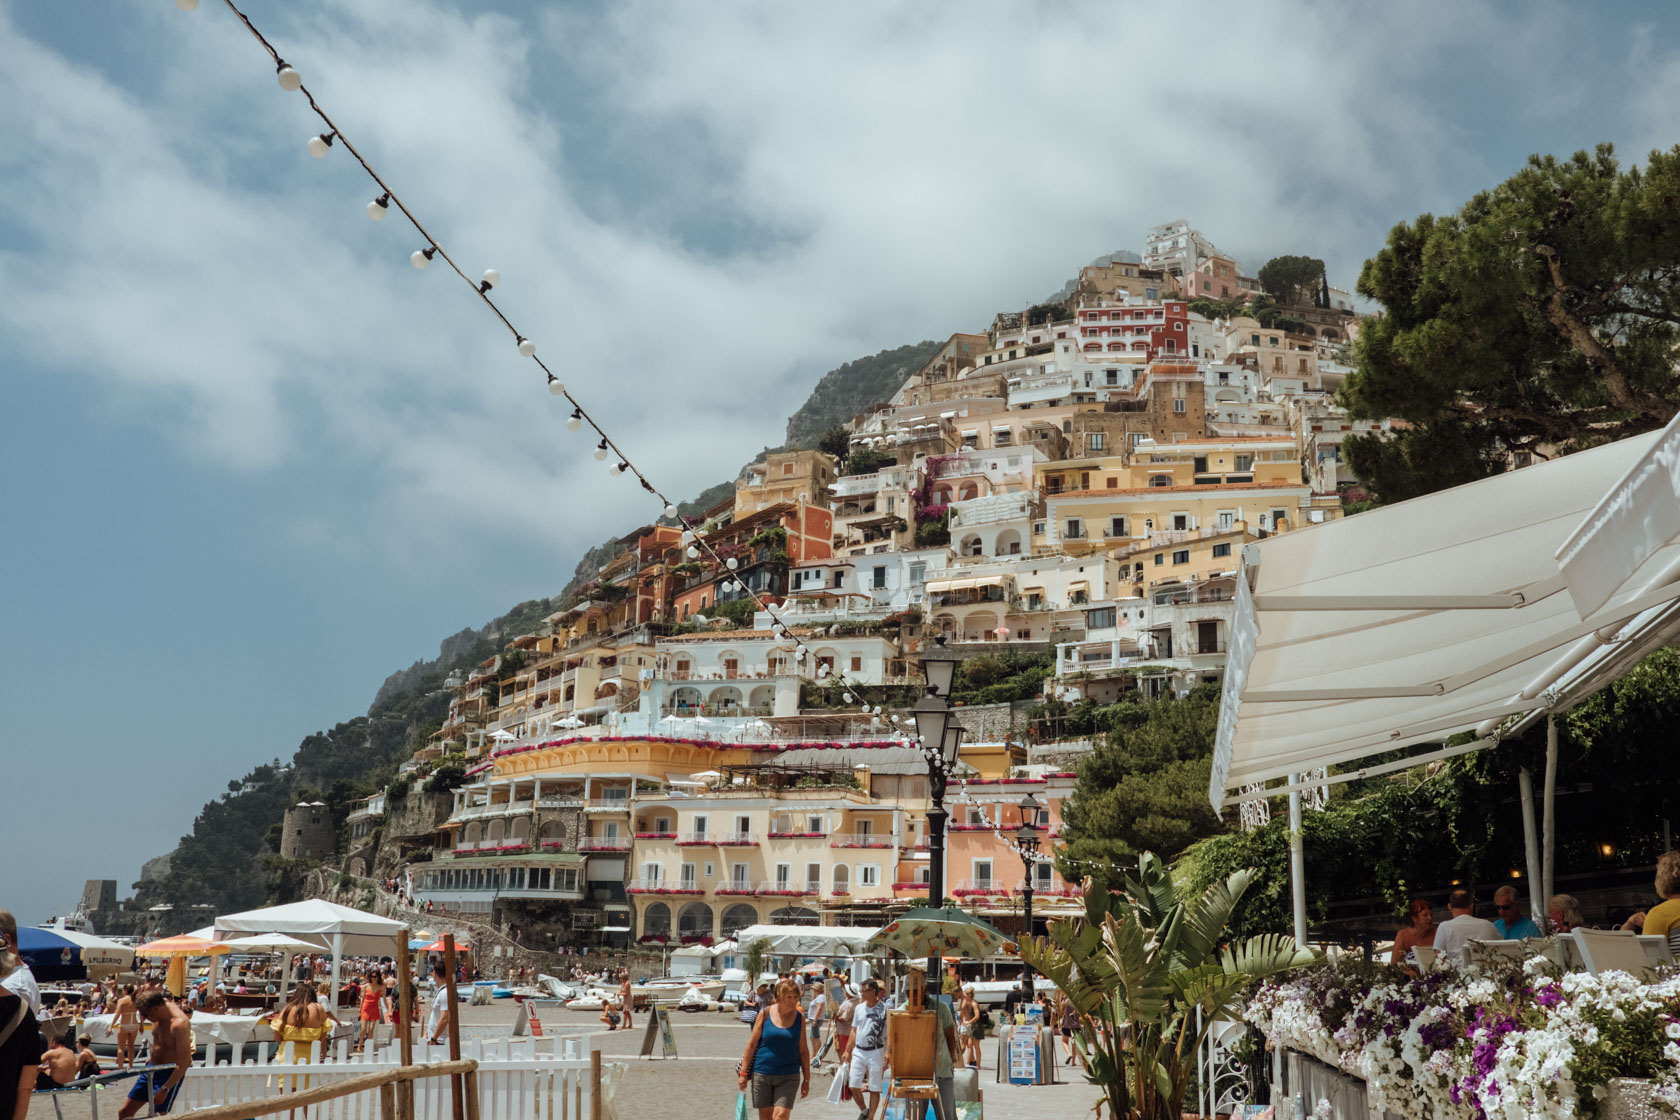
x: 171, y: 1046
x: 58, y: 1064
x: 624, y: 998
x: 126, y: 1021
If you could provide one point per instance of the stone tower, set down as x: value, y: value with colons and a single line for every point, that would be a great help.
x: 307, y: 832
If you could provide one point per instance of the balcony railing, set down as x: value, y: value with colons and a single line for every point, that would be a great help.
x: 617, y: 804
x: 795, y: 834
x: 604, y: 844
x: 789, y: 887
x: 736, y: 887
x: 690, y: 839
x: 665, y: 886
x: 737, y: 839
x: 861, y: 840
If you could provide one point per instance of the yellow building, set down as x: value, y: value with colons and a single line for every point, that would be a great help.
x: 796, y: 477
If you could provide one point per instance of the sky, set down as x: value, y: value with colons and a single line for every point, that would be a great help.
x: 254, y: 461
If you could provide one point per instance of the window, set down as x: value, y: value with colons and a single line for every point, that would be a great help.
x: 711, y: 870
x: 700, y: 828
x: 743, y: 825
x: 1279, y: 515
x: 918, y: 571
x: 1044, y: 876
x: 1181, y: 521
x: 815, y: 824
x: 1181, y: 556
x: 738, y: 875
x: 1160, y: 558
x: 879, y: 576
x: 1117, y: 527
x: 869, y: 875
x: 857, y: 663
x: 653, y: 872
x: 1254, y: 339
x: 787, y: 468
x: 784, y: 875
x: 1102, y: 619
x: 1067, y: 427
x: 983, y: 874
x: 1075, y: 529
x: 1095, y: 440
x: 662, y: 824
x: 813, y: 876
x: 1221, y: 550
x: 1112, y: 376
x: 1003, y: 437
x: 1245, y: 463
x: 688, y: 876
x: 864, y: 827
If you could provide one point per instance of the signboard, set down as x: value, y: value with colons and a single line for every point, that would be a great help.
x: 659, y: 1027
x: 1023, y: 1055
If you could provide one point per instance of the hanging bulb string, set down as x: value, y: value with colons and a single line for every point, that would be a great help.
x: 482, y: 291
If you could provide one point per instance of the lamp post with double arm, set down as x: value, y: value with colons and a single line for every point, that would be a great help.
x: 941, y: 743
x: 1027, y: 836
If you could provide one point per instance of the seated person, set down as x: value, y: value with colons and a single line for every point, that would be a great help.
x: 1563, y: 913
x: 58, y: 1064
x: 1512, y: 923
x: 87, y: 1062
x: 1456, y: 933
x: 1663, y: 919
x: 1418, y: 930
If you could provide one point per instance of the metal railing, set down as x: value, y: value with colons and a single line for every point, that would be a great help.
x: 604, y: 843
x: 861, y: 840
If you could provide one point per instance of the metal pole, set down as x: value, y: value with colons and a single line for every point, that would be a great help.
x: 1026, y: 969
x: 1531, y: 846
x: 936, y: 856
x: 1297, y: 868
x: 1548, y: 824
x: 405, y: 1033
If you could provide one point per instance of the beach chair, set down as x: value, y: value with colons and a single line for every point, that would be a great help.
x: 90, y: 1087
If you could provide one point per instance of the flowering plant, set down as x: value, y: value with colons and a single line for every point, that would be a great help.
x: 1511, y: 1042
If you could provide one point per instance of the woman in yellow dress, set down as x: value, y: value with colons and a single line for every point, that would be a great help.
x: 298, y: 1027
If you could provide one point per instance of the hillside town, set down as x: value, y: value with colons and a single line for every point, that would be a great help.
x: 1069, y: 488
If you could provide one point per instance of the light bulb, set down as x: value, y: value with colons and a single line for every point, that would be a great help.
x: 420, y: 258
x: 557, y: 386
x: 320, y: 145
x: 732, y: 562
x: 575, y: 420
x: 670, y: 510
x: 848, y: 697
x: 620, y: 467
x: 527, y: 347
x: 601, y: 450
x: 692, y: 553
x: 290, y: 80
x: 377, y: 208
x: 491, y: 279
x: 187, y: 5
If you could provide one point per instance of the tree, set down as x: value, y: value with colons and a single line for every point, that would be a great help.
x: 835, y: 441
x: 1145, y: 788
x: 1138, y: 966
x: 867, y: 460
x: 1293, y: 281
x: 758, y: 951
x: 1543, y: 315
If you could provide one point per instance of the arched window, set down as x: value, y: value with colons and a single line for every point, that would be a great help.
x: 656, y: 920
x: 794, y: 916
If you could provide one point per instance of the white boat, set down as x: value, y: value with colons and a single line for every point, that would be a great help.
x: 673, y: 988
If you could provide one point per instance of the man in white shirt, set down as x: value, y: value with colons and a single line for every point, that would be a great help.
x: 437, y: 1016
x: 866, y: 1050
x: 1455, y: 934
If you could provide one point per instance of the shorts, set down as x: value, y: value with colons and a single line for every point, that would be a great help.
x: 775, y: 1090
x: 867, y: 1068
x: 142, y: 1091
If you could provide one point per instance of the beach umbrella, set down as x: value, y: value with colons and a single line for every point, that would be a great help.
x: 50, y: 955
x: 461, y: 946
x: 945, y: 931
x: 271, y: 943
x: 182, y: 944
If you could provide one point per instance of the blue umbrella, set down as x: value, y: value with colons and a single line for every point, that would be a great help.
x: 49, y: 955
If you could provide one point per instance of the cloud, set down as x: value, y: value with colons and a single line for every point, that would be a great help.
x: 695, y: 210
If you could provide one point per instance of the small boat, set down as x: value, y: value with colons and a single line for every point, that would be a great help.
x: 670, y: 988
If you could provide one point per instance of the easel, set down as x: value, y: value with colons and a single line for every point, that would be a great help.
x: 913, y: 1043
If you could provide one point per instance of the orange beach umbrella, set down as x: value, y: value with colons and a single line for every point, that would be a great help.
x: 183, y: 945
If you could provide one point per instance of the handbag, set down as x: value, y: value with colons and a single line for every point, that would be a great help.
x: 741, y: 1107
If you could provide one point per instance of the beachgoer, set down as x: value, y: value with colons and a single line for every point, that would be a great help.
x: 1069, y: 1027
x: 437, y: 1016
x: 20, y: 1046
x: 87, y: 1061
x: 777, y: 1062
x: 625, y: 1000
x: 968, y: 1026
x: 171, y: 1046
x: 58, y: 1064
x: 372, y: 1013
x: 19, y: 979
x: 126, y: 1021
x: 1563, y: 913
x: 1419, y: 930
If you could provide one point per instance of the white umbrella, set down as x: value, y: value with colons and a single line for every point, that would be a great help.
x: 272, y: 943
x: 98, y: 954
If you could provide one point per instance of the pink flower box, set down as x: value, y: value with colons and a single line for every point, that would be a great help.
x: 656, y: 836
x: 797, y: 835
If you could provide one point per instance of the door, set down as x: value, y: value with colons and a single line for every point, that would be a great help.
x: 1207, y: 637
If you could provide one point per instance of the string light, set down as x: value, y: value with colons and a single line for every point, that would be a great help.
x: 291, y: 81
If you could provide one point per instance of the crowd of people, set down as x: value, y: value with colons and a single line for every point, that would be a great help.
x: 1451, y: 938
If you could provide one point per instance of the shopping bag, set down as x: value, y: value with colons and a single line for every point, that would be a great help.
x: 837, y: 1089
x: 741, y: 1112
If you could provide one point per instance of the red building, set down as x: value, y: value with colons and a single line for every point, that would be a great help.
x: 1152, y: 329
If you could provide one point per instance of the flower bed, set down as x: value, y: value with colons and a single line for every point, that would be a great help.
x: 862, y: 844
x: 736, y: 890
x: 656, y: 836
x: 797, y: 835
x: 665, y: 890
x: 1515, y: 1043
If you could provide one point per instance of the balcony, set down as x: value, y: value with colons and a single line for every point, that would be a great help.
x: 736, y: 887
x: 493, y: 848
x: 656, y: 836
x: 790, y: 834
x: 695, y: 839
x: 665, y: 886
x: 861, y: 840
x: 968, y: 887
x: 603, y: 844
x: 738, y: 840
x: 560, y: 802
x: 789, y: 888
x: 607, y: 804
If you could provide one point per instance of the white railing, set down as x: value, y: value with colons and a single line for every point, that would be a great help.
x: 517, y: 1078
x: 861, y: 840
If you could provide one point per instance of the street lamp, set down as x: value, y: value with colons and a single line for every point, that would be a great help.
x: 1026, y: 846
x: 941, y: 743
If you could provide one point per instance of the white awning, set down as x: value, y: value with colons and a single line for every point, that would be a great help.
x: 1449, y: 613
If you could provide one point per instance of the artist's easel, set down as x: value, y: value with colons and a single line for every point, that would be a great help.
x: 913, y: 1042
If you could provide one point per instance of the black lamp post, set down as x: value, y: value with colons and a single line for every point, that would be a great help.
x: 941, y: 743
x: 1026, y: 846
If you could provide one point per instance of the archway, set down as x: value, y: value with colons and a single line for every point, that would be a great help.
x: 794, y: 916
x: 944, y: 624
x: 978, y: 627
x: 656, y: 920
x: 764, y: 696
x: 694, y: 921
x: 968, y: 492
x: 1008, y: 543
x: 685, y: 697
x: 498, y: 831
x: 473, y: 833
x: 552, y: 829
x: 521, y: 828
x: 736, y: 918
x: 725, y: 699
x: 970, y: 546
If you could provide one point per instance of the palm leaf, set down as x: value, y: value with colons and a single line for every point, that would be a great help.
x: 1207, y: 920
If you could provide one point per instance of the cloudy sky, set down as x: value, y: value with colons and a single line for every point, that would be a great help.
x: 254, y: 461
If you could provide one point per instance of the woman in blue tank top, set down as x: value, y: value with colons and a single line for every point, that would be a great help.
x: 777, y: 1063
